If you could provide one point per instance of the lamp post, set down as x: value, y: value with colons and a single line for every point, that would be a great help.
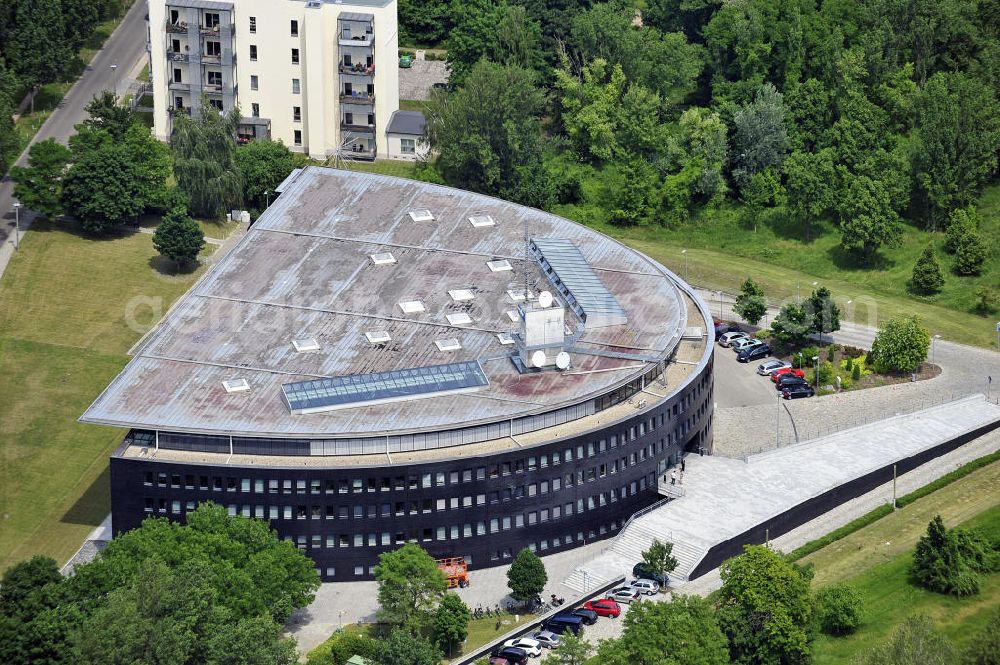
x: 687, y: 275
x: 17, y: 225
x: 267, y: 198
x: 114, y: 82
x: 816, y: 363
x: 800, y: 360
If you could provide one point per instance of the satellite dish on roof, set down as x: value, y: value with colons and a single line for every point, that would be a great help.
x: 562, y: 360
x: 538, y: 359
x: 544, y: 299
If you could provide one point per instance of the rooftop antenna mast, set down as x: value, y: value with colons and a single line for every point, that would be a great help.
x: 524, y: 266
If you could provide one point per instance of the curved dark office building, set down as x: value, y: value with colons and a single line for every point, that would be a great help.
x: 380, y: 360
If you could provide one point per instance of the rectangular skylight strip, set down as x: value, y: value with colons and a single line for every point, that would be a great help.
x: 505, y: 338
x: 481, y: 221
x: 305, y: 344
x: 513, y: 315
x: 499, y: 266
x: 421, y: 216
x: 450, y: 344
x: 460, y: 295
x: 383, y: 258
x: 459, y: 319
x: 365, y: 389
x: 236, y: 385
x: 377, y: 337
x: 411, y: 306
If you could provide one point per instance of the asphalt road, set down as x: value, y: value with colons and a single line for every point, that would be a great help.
x: 123, y: 48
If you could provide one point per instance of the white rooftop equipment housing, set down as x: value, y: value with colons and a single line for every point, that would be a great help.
x: 411, y: 306
x: 513, y: 315
x: 421, y: 216
x: 450, y: 344
x: 383, y: 259
x: 460, y: 295
x: 517, y: 295
x: 499, y: 265
x: 481, y: 221
x: 505, y: 338
x: 459, y: 319
x: 236, y: 385
x: 378, y: 337
x: 305, y: 344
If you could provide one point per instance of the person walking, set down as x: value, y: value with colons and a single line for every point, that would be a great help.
x: 673, y: 477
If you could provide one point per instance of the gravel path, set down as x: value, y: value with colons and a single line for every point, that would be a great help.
x: 416, y: 82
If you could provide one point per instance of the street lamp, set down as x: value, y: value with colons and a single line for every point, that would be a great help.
x: 17, y: 225
x: 800, y: 360
x: 816, y: 362
x: 267, y: 198
x: 687, y: 275
x: 114, y: 82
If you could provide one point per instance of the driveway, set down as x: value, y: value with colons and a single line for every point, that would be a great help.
x: 738, y: 384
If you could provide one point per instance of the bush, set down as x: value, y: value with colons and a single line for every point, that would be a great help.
x: 986, y: 299
x: 900, y: 345
x: 926, y: 278
x: 970, y: 254
x: 950, y: 561
x: 341, y: 646
x: 856, y: 372
x: 839, y: 609
x: 831, y: 352
x: 827, y: 375
x: 853, y: 351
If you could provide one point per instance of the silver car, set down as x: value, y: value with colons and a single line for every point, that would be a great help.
x: 624, y: 594
x: 745, y: 343
x: 765, y: 368
x: 547, y: 639
x: 648, y: 587
x: 730, y: 337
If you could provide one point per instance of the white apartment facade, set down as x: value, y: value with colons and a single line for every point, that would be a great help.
x: 320, y: 75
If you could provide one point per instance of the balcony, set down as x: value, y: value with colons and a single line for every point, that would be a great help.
x: 179, y: 86
x: 355, y: 128
x: 180, y: 27
x: 209, y: 31
x: 208, y: 59
x: 212, y: 88
x: 357, y: 40
x: 184, y: 110
x: 358, y: 152
x: 174, y: 56
x: 357, y: 98
x: 358, y: 69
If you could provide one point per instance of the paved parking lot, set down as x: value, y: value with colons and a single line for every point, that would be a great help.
x: 738, y: 384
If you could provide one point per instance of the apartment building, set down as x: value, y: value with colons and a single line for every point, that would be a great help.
x: 320, y: 75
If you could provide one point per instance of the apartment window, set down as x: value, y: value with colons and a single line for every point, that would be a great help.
x: 408, y: 146
x: 213, y: 48
x: 255, y: 110
x: 295, y: 28
x: 216, y: 104
x: 175, y: 16
x: 177, y: 75
x: 295, y: 56
x: 348, y: 118
x: 296, y: 86
x: 253, y: 25
x: 371, y: 119
x: 297, y: 140
x: 215, y: 78
x: 254, y: 82
x: 211, y: 20
x: 296, y: 114
x: 253, y: 52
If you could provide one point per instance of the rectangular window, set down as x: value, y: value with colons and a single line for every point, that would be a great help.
x: 215, y: 78
x: 296, y: 114
x: 295, y: 56
x: 253, y: 25
x: 253, y: 53
x: 296, y: 86
x: 407, y: 146
x: 297, y: 137
x: 295, y: 28
x: 213, y: 49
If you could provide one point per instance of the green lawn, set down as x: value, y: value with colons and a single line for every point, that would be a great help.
x: 65, y: 306
x: 875, y: 560
x: 412, y: 105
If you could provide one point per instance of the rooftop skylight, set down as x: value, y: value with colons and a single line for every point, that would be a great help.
x: 459, y: 319
x: 513, y: 315
x: 499, y: 266
x: 481, y: 221
x: 460, y: 295
x: 383, y: 258
x: 517, y: 295
x: 421, y: 216
x: 377, y: 336
x: 450, y: 344
x: 236, y: 385
x: 411, y: 306
x: 305, y: 344
x: 505, y: 338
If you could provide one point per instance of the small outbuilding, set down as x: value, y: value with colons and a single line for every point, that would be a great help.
x: 405, y: 136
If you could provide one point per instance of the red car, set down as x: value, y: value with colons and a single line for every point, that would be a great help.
x: 778, y: 373
x: 604, y: 607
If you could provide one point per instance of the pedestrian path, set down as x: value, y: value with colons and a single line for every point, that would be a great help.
x: 725, y: 497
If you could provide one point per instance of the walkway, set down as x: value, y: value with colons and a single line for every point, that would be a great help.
x: 725, y: 497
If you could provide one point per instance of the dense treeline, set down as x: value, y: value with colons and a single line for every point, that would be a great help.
x: 39, y: 41
x: 867, y: 114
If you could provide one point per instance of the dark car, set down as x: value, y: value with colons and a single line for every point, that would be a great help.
x: 753, y: 353
x: 512, y: 655
x: 787, y: 381
x: 589, y: 616
x: 640, y: 571
x: 724, y: 327
x: 797, y: 391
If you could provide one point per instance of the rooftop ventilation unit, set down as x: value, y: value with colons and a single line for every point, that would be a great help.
x: 421, y: 216
x: 459, y: 319
x: 383, y: 259
x: 517, y: 295
x: 236, y: 385
x: 481, y: 221
x: 499, y: 266
x: 450, y: 344
x: 505, y: 338
x: 411, y: 306
x: 460, y: 295
x: 377, y: 337
x: 306, y: 344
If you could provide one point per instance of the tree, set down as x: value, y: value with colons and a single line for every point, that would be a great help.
x: 451, y: 623
x: 659, y: 559
x: 487, y: 134
x: 682, y: 631
x: 38, y: 50
x: 958, y: 127
x: 986, y: 299
x: 102, y: 188
x: 406, y: 648
x: 970, y: 254
x: 915, y: 642
x: 839, y: 609
x: 926, y: 278
x: 178, y: 237
x: 9, y: 142
x: 572, y: 650
x: 702, y: 139
x: 424, y: 21
x: 751, y: 305
x: 39, y: 185
x: 825, y: 313
x: 810, y: 183
x: 151, y: 161
x: 764, y: 608
x: 633, y: 199
x: 868, y: 219
x: 900, y: 345
x: 792, y: 325
x: 107, y: 113
x: 205, y: 161
x: 761, y: 139
x: 984, y: 647
x: 263, y: 165
x: 410, y: 585
x: 526, y: 576
x: 80, y: 18
x: 960, y: 222
x: 763, y: 191
x: 950, y: 561
x: 23, y: 583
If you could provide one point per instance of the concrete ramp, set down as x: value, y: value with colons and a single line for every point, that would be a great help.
x: 724, y: 499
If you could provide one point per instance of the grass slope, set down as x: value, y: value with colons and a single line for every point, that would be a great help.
x: 65, y: 306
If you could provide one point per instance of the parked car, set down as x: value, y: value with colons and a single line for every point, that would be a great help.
x: 778, y: 373
x: 547, y: 639
x: 798, y: 390
x: 722, y: 327
x: 497, y: 660
x: 641, y: 572
x: 512, y: 655
x: 753, y: 353
x: 624, y: 594
x: 646, y: 587
x: 790, y: 380
x: 604, y: 607
x: 765, y: 368
x: 530, y: 646
x: 728, y: 338
x: 589, y: 616
x: 745, y: 343
x: 559, y: 624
